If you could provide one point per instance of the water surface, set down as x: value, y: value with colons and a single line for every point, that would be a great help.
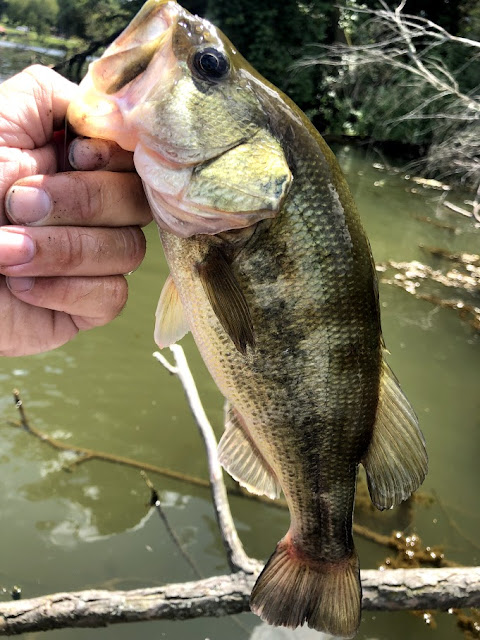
x: 15, y: 56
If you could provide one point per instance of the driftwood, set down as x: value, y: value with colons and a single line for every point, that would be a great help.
x: 389, y: 590
x: 444, y: 588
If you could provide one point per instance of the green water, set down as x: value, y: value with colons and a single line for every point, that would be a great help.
x: 14, y: 57
x: 91, y: 528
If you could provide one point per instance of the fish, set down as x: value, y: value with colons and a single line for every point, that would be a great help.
x: 272, y: 272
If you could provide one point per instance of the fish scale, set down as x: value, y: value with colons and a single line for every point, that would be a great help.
x: 272, y: 272
x: 321, y: 410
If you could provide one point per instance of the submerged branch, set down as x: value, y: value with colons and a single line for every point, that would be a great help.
x: 385, y: 589
x: 389, y: 590
x: 86, y: 455
x: 391, y: 542
x: 156, y: 503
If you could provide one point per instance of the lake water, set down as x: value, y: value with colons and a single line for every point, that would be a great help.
x: 14, y: 56
x: 91, y: 528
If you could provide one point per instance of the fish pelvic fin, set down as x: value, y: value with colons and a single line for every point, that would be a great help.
x: 396, y: 462
x: 241, y: 458
x: 292, y: 590
x: 170, y: 321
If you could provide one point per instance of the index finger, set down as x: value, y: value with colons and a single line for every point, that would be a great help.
x: 79, y: 198
x: 92, y: 154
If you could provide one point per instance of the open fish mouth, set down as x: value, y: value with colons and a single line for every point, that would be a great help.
x: 168, y: 89
x: 116, y: 83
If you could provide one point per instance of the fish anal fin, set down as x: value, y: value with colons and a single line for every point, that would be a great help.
x: 170, y: 323
x: 240, y: 457
x: 291, y: 591
x: 227, y: 299
x: 396, y: 461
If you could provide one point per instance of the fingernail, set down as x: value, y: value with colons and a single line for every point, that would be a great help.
x: 20, y: 285
x: 89, y: 155
x: 16, y: 247
x: 27, y: 204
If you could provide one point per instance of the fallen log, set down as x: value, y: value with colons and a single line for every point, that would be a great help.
x: 388, y: 590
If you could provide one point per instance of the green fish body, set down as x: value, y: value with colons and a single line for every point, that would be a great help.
x: 273, y: 274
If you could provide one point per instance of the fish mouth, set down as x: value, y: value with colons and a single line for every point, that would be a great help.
x: 174, y: 209
x: 115, y: 83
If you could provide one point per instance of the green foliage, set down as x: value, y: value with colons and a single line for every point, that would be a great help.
x: 94, y: 19
x: 470, y: 19
x: 39, y: 15
x: 273, y: 35
x: 372, y: 103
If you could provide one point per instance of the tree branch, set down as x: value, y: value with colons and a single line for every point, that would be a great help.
x: 86, y: 455
x: 390, y: 590
x: 385, y: 589
x: 236, y: 556
x: 414, y: 48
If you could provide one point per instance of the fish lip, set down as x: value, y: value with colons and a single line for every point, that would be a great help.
x: 161, y: 157
x: 169, y: 11
x: 94, y: 112
x: 170, y: 215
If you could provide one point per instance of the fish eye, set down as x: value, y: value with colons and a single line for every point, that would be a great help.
x: 211, y: 64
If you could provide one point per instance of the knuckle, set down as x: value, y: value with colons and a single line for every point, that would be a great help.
x: 8, y: 345
x: 72, y: 253
x: 65, y: 291
x: 135, y: 247
x: 115, y: 297
x: 89, y: 197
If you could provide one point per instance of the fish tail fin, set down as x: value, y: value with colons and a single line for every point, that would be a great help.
x: 292, y: 590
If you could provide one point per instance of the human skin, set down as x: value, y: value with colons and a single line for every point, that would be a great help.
x: 66, y: 237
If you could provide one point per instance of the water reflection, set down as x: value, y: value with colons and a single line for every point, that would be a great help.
x: 18, y: 47
x: 14, y: 57
x: 265, y: 632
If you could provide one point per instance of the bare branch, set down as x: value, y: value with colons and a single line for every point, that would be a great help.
x: 86, y: 455
x: 156, y: 503
x: 389, y: 590
x: 236, y: 556
x: 398, y: 45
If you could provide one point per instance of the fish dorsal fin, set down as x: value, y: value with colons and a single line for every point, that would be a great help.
x: 240, y: 457
x: 170, y: 324
x: 253, y: 176
x: 227, y: 299
x: 396, y: 461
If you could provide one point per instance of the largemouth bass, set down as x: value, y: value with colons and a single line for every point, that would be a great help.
x: 272, y: 273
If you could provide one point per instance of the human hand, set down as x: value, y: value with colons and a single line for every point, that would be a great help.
x: 66, y: 239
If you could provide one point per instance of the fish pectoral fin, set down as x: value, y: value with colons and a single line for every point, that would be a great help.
x: 252, y: 176
x: 170, y: 322
x: 227, y: 299
x: 396, y: 461
x: 240, y: 457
